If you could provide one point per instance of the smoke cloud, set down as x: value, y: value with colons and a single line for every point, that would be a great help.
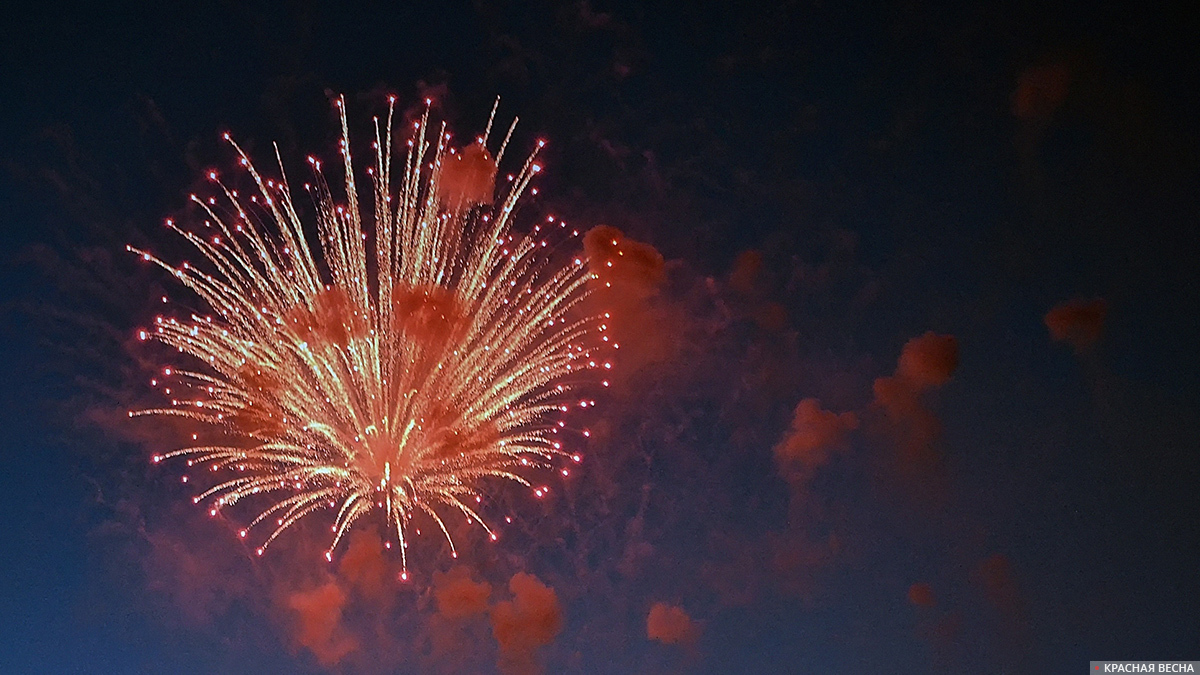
x: 468, y: 176
x: 921, y: 595
x: 364, y: 566
x: 629, y: 275
x: 926, y: 362
x: 1079, y: 323
x: 319, y: 616
x: 671, y: 625
x: 531, y: 620
x: 458, y: 596
x: 815, y: 433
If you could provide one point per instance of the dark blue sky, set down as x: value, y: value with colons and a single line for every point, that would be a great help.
x: 900, y: 168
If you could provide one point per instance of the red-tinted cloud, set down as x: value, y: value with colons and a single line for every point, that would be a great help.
x: 995, y: 575
x: 468, y: 176
x: 926, y: 362
x: 746, y: 279
x: 921, y: 595
x: 364, y: 566
x: 623, y: 264
x: 671, y: 625
x: 458, y: 596
x: 531, y: 620
x: 319, y: 617
x: 746, y: 272
x: 815, y: 433
x: 1079, y: 323
x: 629, y: 275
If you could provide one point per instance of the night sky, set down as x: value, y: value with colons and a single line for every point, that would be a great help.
x: 912, y: 387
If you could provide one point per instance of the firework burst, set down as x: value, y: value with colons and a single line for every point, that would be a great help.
x: 397, y: 367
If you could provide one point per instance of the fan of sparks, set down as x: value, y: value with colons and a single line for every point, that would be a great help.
x: 396, y: 368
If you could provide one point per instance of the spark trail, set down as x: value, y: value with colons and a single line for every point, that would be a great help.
x: 400, y: 366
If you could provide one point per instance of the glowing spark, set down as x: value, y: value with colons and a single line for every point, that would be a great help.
x: 395, y: 368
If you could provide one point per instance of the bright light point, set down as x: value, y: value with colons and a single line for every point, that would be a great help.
x: 577, y: 458
x: 297, y: 333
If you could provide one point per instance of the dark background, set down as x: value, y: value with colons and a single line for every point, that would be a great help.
x: 875, y: 153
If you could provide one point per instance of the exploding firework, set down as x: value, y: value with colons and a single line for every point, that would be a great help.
x: 396, y: 368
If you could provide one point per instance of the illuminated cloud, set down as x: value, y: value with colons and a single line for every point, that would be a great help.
x: 531, y: 620
x: 458, y: 596
x: 815, y: 433
x: 468, y: 176
x: 926, y: 362
x: 629, y: 266
x: 746, y: 279
x: 747, y: 269
x: 995, y: 575
x: 671, y: 625
x: 897, y: 397
x: 929, y: 360
x: 921, y: 595
x: 319, y: 617
x: 364, y: 566
x: 629, y: 276
x: 1079, y: 323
